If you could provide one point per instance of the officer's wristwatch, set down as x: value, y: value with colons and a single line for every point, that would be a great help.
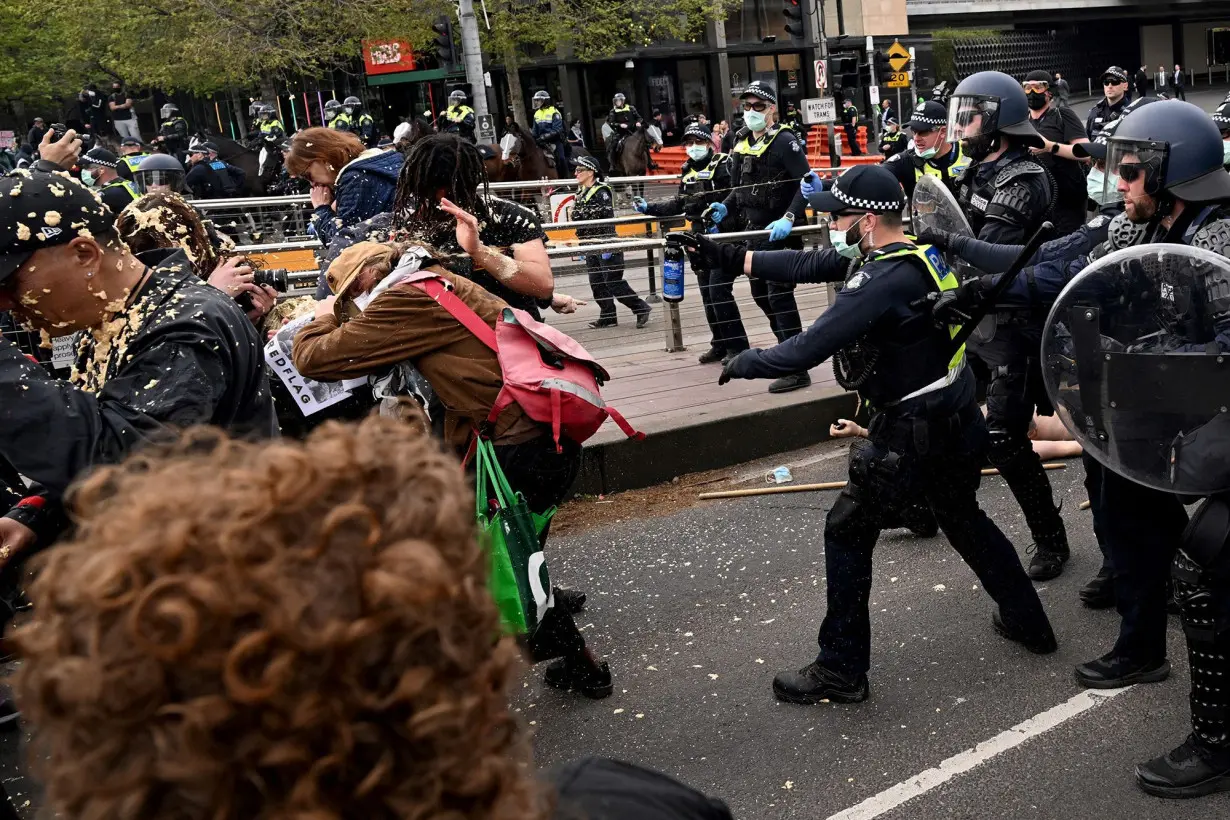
x: 789, y: 216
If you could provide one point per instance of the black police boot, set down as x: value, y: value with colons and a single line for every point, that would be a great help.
x: 730, y: 354
x: 580, y: 673
x: 572, y: 600
x: 787, y: 383
x: 1050, y: 554
x: 1113, y: 671
x: 1038, y: 642
x: 712, y: 356
x: 1099, y: 593
x: 604, y: 322
x: 815, y: 683
x: 8, y: 716
x: 1192, y: 770
x: 642, y: 318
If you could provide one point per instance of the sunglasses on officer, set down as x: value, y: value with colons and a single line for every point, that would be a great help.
x: 1113, y: 81
x: 1129, y: 172
x: 755, y: 106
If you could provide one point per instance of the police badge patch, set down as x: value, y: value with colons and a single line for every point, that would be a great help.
x: 1097, y: 222
x: 856, y: 281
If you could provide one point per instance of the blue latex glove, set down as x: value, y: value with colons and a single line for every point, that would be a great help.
x: 639, y: 204
x: 717, y: 212
x: 606, y: 256
x: 811, y: 184
x: 780, y: 229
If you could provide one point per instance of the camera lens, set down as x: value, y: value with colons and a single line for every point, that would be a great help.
x: 275, y: 278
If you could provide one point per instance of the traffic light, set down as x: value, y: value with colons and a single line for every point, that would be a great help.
x: 444, y: 41
x: 864, y: 75
x: 793, y: 11
x: 843, y: 72
x: 884, y: 71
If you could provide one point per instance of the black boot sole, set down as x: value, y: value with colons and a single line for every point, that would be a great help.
x: 1155, y: 675
x: 1220, y: 783
x: 850, y: 696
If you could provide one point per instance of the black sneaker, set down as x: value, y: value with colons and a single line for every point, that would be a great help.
x: 712, y: 356
x: 601, y: 323
x: 815, y: 683
x: 8, y: 716
x: 572, y: 600
x: 787, y: 383
x: 642, y: 318
x: 1113, y: 671
x: 1099, y: 593
x: 580, y: 674
x: 1049, y: 557
x: 1039, y: 643
x: 1192, y: 770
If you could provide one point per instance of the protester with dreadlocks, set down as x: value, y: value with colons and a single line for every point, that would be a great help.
x: 497, y: 244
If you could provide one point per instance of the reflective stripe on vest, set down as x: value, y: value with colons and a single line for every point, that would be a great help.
x: 460, y: 114
x: 951, y: 172
x: 544, y: 114
x: 693, y: 175
x: 593, y: 189
x: 745, y: 146
x: 944, y: 280
x: 269, y: 125
x: 125, y: 184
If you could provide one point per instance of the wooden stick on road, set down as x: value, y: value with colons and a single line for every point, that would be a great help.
x: 826, y: 485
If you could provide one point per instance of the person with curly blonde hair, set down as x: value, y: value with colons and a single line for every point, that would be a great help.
x: 289, y: 630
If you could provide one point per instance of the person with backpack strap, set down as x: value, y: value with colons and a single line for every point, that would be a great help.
x: 525, y: 387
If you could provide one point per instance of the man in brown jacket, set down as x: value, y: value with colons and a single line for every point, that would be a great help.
x: 388, y: 321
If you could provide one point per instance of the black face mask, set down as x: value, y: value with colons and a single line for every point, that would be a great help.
x: 1036, y: 100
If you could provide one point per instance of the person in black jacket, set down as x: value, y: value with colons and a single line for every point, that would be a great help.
x: 926, y: 433
x: 35, y: 135
x: 202, y: 181
x: 705, y: 179
x: 594, y: 200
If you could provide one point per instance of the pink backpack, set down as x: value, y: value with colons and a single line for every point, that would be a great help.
x: 552, y: 378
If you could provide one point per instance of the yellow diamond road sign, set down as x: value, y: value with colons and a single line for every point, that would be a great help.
x: 898, y: 57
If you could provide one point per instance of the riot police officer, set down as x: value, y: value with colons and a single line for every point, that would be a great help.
x: 335, y: 117
x: 232, y: 177
x: 459, y: 117
x: 159, y: 173
x: 926, y: 434
x: 769, y: 164
x: 131, y: 154
x: 202, y: 181
x: 931, y: 152
x: 1160, y: 431
x: 268, y: 131
x: 1007, y: 196
x: 173, y: 133
x: 359, y: 122
x: 548, y: 130
x: 623, y: 119
x: 705, y: 179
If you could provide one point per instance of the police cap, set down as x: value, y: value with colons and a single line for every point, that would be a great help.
x: 869, y: 188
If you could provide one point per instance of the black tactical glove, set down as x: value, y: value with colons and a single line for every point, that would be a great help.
x: 954, y: 307
x: 934, y: 236
x: 726, y: 256
x: 732, y: 369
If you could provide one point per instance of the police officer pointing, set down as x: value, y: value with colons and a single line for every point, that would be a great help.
x: 1007, y: 195
x: 931, y: 152
x: 926, y: 435
x: 705, y: 179
x: 769, y: 163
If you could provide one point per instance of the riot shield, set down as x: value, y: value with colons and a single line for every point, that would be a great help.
x: 1136, y: 360
x: 934, y: 207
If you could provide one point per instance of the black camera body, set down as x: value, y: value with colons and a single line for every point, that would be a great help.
x: 276, y: 278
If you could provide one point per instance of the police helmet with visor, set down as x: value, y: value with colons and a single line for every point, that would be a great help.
x: 159, y: 172
x: 985, y: 106
x: 1178, y: 149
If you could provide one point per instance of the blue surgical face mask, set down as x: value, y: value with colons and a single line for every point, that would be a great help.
x: 698, y: 152
x: 1225, y: 153
x: 755, y: 120
x: 842, y: 246
x: 928, y: 153
x: 87, y: 178
x: 1099, y: 189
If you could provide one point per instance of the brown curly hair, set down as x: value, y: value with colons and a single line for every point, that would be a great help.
x: 287, y: 630
x: 165, y: 220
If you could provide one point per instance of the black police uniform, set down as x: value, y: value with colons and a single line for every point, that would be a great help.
x: 794, y: 121
x: 892, y: 143
x: 926, y: 437
x: 459, y: 120
x: 203, y: 181
x: 1006, y: 201
x: 1103, y: 114
x: 606, y: 270
x: 627, y: 115
x: 230, y: 177
x: 117, y: 193
x: 908, y: 167
x: 702, y: 184
x: 765, y: 178
x: 174, y: 132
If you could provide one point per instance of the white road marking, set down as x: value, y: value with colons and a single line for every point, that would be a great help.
x: 963, y: 762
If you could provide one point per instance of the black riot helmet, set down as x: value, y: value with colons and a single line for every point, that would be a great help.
x: 985, y: 106
x: 159, y: 172
x: 352, y: 104
x: 268, y: 112
x: 332, y: 109
x: 1179, y: 148
x: 457, y: 97
x: 254, y: 109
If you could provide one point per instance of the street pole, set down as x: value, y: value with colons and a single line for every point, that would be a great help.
x: 816, y: 33
x: 471, y: 52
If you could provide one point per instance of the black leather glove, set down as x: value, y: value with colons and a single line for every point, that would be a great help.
x: 732, y: 368
x: 934, y: 236
x: 953, y: 307
x: 726, y: 256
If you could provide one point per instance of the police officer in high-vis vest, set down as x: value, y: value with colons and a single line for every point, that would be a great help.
x: 269, y: 128
x: 769, y: 163
x: 926, y: 436
x: 335, y: 117
x: 458, y: 118
x: 232, y: 177
x: 548, y: 130
x: 595, y: 200
x: 131, y: 154
x: 100, y: 171
x: 706, y: 179
x: 931, y: 152
x: 359, y: 122
x: 173, y: 133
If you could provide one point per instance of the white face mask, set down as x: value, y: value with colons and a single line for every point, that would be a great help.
x: 755, y: 120
x: 1225, y: 153
x: 699, y: 152
x: 838, y: 239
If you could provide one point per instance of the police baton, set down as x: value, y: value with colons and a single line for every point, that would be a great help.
x: 1001, y: 287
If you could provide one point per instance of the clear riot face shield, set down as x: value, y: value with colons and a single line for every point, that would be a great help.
x: 1129, y: 160
x: 1136, y: 360
x: 971, y: 116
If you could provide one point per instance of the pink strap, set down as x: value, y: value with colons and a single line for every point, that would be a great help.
x: 555, y: 418
x: 502, y: 401
x: 435, y: 288
x: 623, y: 425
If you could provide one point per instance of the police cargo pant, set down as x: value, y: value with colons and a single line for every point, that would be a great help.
x: 1140, y: 530
x: 939, y: 457
x: 1014, y: 392
x: 720, y: 326
x: 606, y: 280
x: 775, y: 299
x: 1203, y: 593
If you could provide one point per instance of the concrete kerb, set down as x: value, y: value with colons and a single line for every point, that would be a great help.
x: 625, y: 464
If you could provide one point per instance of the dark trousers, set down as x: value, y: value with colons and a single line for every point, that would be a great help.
x: 1015, y: 391
x: 1141, y: 529
x: 852, y: 140
x: 946, y: 472
x: 1178, y: 92
x: 606, y: 280
x: 775, y: 299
